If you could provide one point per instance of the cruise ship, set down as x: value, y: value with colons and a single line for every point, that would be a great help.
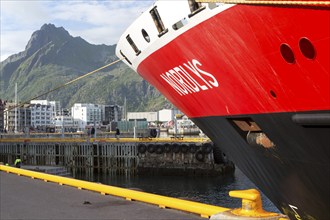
x: 254, y: 77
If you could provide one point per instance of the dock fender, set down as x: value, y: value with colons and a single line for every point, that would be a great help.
x: 176, y: 148
x: 151, y: 148
x: 207, y: 148
x: 193, y: 148
x: 167, y: 148
x: 159, y: 149
x: 142, y: 148
x: 184, y: 148
x: 199, y: 156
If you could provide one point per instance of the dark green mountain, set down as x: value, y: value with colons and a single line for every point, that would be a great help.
x: 53, y: 57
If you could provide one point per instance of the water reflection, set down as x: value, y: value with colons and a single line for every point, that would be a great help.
x: 205, y: 189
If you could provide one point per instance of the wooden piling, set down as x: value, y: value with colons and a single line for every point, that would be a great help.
x: 114, y: 156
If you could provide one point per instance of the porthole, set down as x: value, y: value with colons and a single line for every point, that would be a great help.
x: 273, y: 94
x: 307, y: 48
x: 145, y: 35
x: 287, y: 53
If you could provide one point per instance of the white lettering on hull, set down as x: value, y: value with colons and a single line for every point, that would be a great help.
x: 189, y: 78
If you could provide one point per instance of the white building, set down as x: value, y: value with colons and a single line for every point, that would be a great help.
x: 163, y: 115
x: 42, y: 112
x: 56, y: 105
x: 149, y: 116
x: 86, y: 115
x: 16, y: 119
x: 65, y: 123
x: 166, y: 115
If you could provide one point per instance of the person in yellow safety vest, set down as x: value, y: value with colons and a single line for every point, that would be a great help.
x: 18, y: 163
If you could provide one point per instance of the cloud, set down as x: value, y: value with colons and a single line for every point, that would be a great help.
x: 15, y: 14
x: 13, y: 42
x: 98, y: 22
x: 105, y: 22
x: 19, y: 19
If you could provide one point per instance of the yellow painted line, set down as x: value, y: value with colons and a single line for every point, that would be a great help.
x: 201, y: 209
x: 101, y: 140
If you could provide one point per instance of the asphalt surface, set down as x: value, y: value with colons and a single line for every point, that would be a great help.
x: 26, y: 198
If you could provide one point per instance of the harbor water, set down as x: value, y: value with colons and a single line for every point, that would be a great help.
x: 212, y: 190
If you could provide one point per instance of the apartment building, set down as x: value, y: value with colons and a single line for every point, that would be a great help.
x: 2, y: 108
x: 65, y: 123
x: 17, y: 119
x: 42, y: 113
x: 110, y: 113
x: 86, y: 115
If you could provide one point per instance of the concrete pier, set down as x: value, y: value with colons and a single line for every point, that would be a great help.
x: 26, y: 198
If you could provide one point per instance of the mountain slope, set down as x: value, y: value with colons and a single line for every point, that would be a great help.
x: 53, y: 57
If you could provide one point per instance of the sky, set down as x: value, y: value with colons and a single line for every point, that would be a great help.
x: 98, y: 22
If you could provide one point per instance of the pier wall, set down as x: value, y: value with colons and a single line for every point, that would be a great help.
x: 118, y: 157
x: 190, y: 158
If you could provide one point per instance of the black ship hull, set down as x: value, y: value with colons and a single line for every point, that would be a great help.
x: 291, y: 162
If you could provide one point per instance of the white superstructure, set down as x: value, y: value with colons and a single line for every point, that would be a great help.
x: 159, y: 25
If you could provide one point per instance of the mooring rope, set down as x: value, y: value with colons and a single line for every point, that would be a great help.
x: 63, y: 85
x: 271, y: 2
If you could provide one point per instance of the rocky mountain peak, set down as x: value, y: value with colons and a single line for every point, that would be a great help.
x: 53, y: 57
x: 48, y: 33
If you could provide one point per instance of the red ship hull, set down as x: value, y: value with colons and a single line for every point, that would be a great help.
x: 258, y: 71
x: 241, y: 48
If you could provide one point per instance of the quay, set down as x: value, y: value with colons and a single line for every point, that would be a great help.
x: 124, y: 156
x: 31, y: 198
x: 27, y: 198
